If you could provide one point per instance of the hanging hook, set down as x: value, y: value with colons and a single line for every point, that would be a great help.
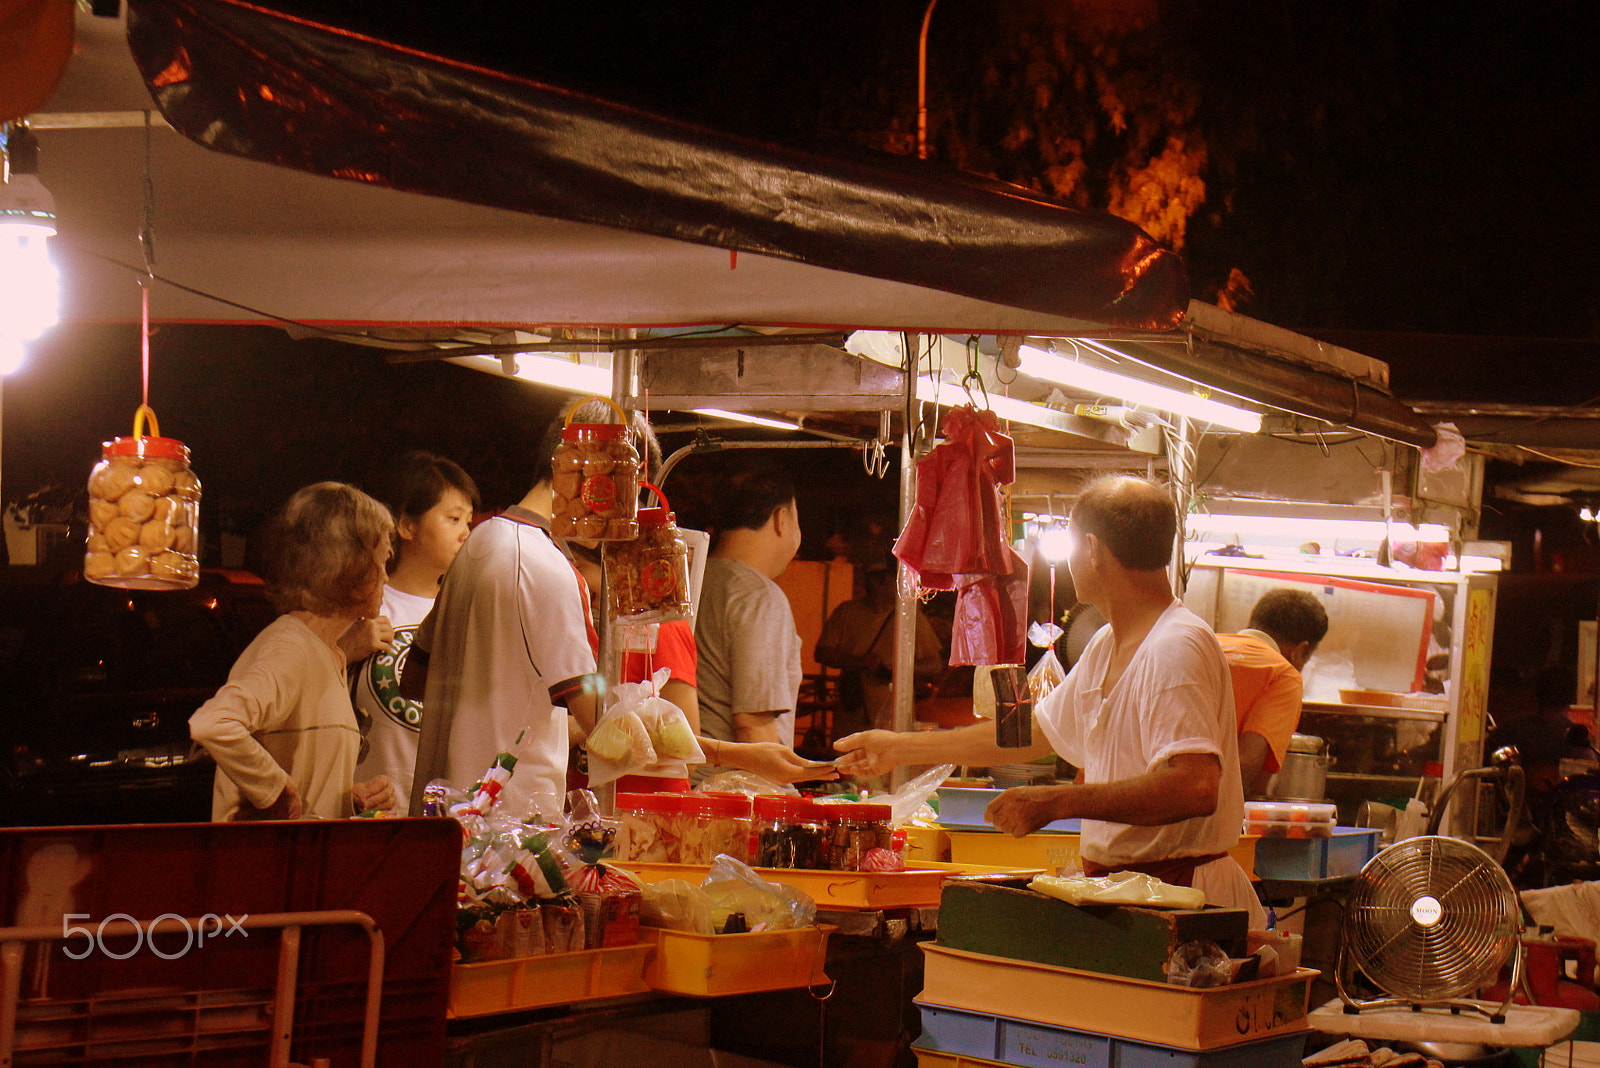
x: 973, y: 375
x: 874, y: 459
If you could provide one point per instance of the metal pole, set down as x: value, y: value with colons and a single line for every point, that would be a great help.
x: 922, y: 87
x: 905, y: 610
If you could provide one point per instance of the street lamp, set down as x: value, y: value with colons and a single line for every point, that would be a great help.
x: 30, y: 299
x: 922, y: 82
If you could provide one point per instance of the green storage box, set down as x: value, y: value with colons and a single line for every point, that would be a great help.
x: 1111, y: 939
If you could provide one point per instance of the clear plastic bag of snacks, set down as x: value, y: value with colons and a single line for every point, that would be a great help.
x: 595, y: 478
x: 766, y: 906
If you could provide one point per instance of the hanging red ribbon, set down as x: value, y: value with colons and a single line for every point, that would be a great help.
x: 144, y: 341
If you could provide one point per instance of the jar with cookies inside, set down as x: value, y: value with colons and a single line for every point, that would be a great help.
x: 595, y: 478
x: 648, y: 577
x: 144, y: 514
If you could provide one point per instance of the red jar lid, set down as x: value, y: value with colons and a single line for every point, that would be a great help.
x: 158, y: 448
x: 593, y: 431
x: 654, y: 517
x: 858, y: 810
x: 715, y: 805
x: 666, y: 802
x: 784, y: 807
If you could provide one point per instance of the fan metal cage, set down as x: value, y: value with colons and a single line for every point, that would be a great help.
x: 1431, y: 918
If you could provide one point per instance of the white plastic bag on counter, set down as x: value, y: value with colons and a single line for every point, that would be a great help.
x: 909, y: 801
x: 1119, y: 888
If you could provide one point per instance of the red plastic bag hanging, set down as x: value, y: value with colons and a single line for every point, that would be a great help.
x: 955, y: 538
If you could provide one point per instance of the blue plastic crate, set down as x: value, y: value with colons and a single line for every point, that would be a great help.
x: 1346, y: 852
x: 964, y: 807
x: 1033, y: 1045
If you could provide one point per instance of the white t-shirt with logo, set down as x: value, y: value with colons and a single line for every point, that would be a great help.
x: 393, y: 723
x: 508, y: 627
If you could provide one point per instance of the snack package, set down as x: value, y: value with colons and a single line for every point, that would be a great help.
x: 563, y: 927
x: 735, y: 888
x: 619, y: 744
x: 677, y: 905
x: 1200, y: 963
x: 1119, y: 888
x: 485, y: 794
x: 1047, y: 673
x: 609, y: 896
x: 611, y: 918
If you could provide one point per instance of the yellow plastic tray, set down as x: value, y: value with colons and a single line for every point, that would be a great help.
x: 982, y: 869
x: 927, y: 1058
x: 551, y: 979
x: 829, y: 889
x: 1158, y: 1013
x: 926, y: 843
x: 1048, y: 850
x: 714, y: 965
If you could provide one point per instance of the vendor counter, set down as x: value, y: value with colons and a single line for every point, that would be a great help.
x: 839, y: 993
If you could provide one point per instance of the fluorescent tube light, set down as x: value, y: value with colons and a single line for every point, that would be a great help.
x: 545, y: 370
x: 1314, y: 529
x: 1047, y: 365
x: 951, y: 395
x: 746, y: 417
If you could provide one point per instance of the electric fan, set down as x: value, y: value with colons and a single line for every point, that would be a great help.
x: 1082, y: 621
x: 1429, y: 921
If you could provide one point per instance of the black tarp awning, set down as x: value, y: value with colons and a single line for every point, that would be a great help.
x: 267, y: 87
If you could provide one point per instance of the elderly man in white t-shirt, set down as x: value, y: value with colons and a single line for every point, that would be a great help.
x: 1147, y: 713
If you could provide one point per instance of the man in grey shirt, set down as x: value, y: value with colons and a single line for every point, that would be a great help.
x: 749, y: 672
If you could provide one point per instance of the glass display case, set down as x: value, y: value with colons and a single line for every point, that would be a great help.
x: 1400, y: 681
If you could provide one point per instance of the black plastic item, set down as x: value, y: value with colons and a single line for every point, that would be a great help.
x: 251, y: 83
x: 736, y: 924
x: 1013, y: 707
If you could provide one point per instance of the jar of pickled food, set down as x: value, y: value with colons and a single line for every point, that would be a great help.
x: 648, y: 577
x: 144, y: 513
x: 594, y: 476
x: 861, y: 837
x: 788, y: 832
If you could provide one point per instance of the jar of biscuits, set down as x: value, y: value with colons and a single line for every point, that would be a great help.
x: 647, y: 579
x: 595, y: 478
x: 144, y: 513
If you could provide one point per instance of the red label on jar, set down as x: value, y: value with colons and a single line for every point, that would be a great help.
x: 658, y: 582
x: 599, y: 493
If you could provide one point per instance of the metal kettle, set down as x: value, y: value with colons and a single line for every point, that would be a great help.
x: 1304, y: 774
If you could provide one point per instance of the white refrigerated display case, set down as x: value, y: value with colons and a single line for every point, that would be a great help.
x: 1400, y: 681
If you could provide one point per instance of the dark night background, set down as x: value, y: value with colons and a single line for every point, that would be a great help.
x: 1392, y: 169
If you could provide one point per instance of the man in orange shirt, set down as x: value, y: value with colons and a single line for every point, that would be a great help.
x: 1266, y: 659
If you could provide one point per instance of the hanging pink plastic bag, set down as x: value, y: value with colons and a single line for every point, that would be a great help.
x: 956, y: 538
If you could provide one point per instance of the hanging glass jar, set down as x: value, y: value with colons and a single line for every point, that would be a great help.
x: 144, y: 512
x: 595, y: 478
x: 647, y: 579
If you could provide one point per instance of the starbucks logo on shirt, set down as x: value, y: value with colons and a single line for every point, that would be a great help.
x: 381, y: 679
